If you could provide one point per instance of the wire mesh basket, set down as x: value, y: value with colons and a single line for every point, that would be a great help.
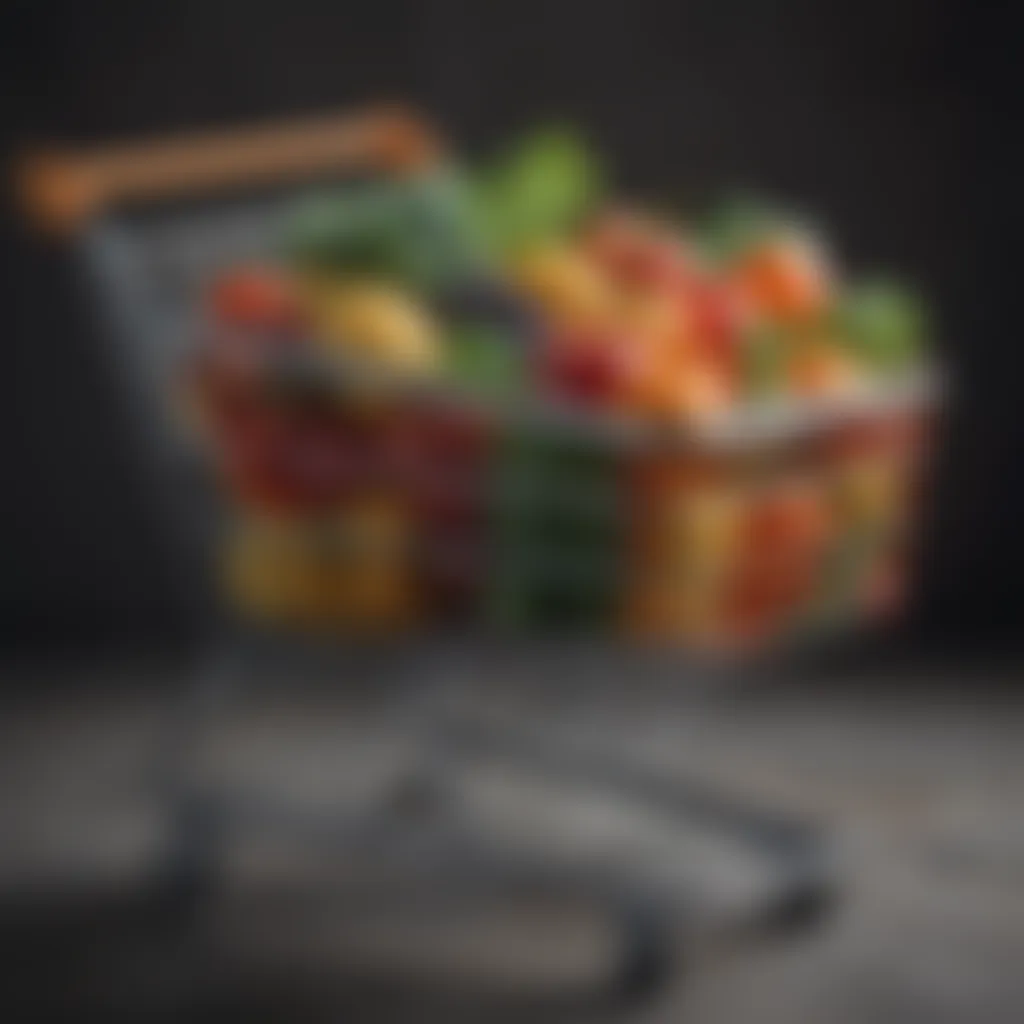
x: 380, y: 506
x: 366, y: 497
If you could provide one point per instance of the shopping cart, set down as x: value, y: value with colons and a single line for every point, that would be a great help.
x: 150, y: 224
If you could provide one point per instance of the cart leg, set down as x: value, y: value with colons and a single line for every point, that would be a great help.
x: 189, y: 871
x: 804, y: 906
x: 647, y: 955
x: 431, y: 712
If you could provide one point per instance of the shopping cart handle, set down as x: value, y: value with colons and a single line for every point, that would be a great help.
x: 61, y: 190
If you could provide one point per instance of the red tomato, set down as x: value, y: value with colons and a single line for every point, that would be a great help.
x: 719, y: 315
x: 594, y: 371
x: 255, y: 298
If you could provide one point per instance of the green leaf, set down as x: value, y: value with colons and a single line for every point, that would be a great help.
x: 418, y: 231
x: 539, y: 189
x: 737, y: 224
x: 354, y: 229
x: 439, y: 230
x: 742, y: 222
x: 886, y: 325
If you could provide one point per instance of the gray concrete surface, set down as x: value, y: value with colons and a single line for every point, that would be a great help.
x: 921, y: 783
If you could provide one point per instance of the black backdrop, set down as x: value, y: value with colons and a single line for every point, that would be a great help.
x: 892, y: 119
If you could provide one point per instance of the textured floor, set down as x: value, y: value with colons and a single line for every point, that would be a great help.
x: 923, y: 791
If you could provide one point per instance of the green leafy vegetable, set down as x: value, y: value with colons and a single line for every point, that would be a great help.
x: 741, y: 223
x: 418, y: 231
x: 885, y: 324
x: 736, y: 225
x: 539, y: 189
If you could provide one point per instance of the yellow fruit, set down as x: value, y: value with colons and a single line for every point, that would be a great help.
x: 374, y: 528
x: 706, y: 524
x: 321, y: 575
x: 267, y: 568
x: 376, y: 321
x: 566, y: 284
x: 374, y: 570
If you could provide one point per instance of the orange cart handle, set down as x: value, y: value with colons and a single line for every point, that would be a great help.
x: 62, y: 190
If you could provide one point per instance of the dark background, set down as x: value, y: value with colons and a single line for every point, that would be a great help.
x: 893, y: 120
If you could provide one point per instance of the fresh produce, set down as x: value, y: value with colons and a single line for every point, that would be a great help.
x: 585, y: 367
x: 376, y: 322
x: 784, y: 278
x: 819, y: 367
x: 565, y: 284
x: 883, y: 325
x: 498, y: 306
x: 257, y: 299
x: 559, y: 524
x: 520, y: 279
x: 541, y: 188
